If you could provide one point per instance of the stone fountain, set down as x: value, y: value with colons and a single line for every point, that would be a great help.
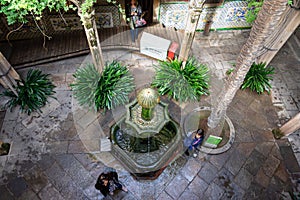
x: 146, y: 139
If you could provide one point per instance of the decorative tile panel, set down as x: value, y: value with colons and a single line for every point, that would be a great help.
x: 173, y: 14
x: 69, y: 23
x: 104, y: 20
x: 176, y: 18
x: 230, y: 15
x: 236, y: 14
x: 110, y: 20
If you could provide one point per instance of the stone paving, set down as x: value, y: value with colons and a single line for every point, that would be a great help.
x: 286, y: 91
x: 56, y: 154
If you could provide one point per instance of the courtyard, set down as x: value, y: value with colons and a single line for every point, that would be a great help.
x: 57, y: 154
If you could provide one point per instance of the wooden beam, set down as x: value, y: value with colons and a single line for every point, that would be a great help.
x: 6, y: 68
x: 8, y: 75
x: 291, y: 126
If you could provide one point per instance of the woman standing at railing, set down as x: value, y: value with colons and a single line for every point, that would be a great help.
x: 133, y: 15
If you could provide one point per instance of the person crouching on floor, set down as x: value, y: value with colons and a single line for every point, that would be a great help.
x: 196, y: 142
x: 107, y: 183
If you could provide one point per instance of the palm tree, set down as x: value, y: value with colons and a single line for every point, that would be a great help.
x: 263, y: 26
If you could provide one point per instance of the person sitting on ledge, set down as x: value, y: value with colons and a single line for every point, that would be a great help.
x: 196, y: 142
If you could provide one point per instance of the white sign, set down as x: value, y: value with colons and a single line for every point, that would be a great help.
x: 154, y: 46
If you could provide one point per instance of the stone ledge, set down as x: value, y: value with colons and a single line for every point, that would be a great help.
x: 225, y: 147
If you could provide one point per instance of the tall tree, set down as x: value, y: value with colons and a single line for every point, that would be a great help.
x: 287, y: 26
x: 19, y: 10
x: 263, y: 26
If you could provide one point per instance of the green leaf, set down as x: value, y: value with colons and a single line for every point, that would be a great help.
x: 114, y: 86
x: 32, y: 92
x: 182, y: 85
x: 254, y: 6
x: 18, y: 10
x: 258, y: 77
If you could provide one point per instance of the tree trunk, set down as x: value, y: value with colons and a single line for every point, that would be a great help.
x: 90, y: 28
x: 189, y: 32
x: 290, y: 20
x: 263, y: 26
x: 291, y: 126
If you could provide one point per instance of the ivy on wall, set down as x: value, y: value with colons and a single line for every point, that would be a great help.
x: 254, y: 6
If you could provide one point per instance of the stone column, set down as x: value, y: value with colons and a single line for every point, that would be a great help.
x: 195, y: 9
x: 90, y: 28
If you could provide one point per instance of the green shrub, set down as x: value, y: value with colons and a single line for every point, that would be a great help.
x: 114, y: 86
x: 104, y: 91
x: 254, y: 6
x: 183, y: 85
x: 258, y: 78
x: 85, y: 85
x: 32, y: 92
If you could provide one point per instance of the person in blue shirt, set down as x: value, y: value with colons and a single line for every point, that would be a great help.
x: 196, y: 142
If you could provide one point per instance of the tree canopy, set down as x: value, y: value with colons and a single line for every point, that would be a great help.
x: 18, y: 10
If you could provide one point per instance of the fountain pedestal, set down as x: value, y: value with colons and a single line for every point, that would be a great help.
x: 145, y: 147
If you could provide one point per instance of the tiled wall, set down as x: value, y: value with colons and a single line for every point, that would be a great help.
x: 174, y: 14
x: 230, y: 15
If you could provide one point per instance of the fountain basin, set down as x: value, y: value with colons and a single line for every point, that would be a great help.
x: 149, y: 152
